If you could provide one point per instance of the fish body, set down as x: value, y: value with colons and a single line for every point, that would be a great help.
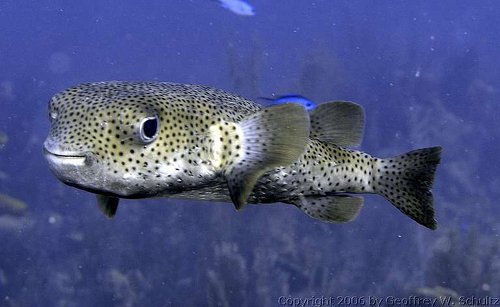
x: 238, y: 7
x: 306, y: 103
x: 154, y: 139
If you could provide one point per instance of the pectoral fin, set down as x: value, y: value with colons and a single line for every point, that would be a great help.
x: 339, y: 122
x: 276, y: 136
x: 107, y: 204
x: 334, y: 209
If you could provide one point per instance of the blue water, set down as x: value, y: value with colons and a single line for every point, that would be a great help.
x: 426, y: 72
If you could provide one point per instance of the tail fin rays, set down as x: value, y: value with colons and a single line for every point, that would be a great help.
x: 406, y: 181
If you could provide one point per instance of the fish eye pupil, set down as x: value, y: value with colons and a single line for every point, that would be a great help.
x: 149, y: 128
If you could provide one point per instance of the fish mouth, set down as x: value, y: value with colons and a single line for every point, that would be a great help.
x: 66, y: 158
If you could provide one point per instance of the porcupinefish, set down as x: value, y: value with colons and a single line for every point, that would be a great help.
x: 154, y: 139
x: 308, y: 104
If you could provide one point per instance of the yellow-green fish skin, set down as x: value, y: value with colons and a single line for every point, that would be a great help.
x: 101, y: 118
x: 206, y: 141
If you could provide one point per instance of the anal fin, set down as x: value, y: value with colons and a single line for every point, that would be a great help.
x: 107, y: 204
x: 333, y: 209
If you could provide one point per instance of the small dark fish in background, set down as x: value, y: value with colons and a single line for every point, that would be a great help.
x: 303, y: 101
x: 3, y: 139
x: 239, y: 7
x: 11, y: 205
x: 157, y: 139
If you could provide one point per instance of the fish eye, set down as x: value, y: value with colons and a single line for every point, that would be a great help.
x: 148, y: 129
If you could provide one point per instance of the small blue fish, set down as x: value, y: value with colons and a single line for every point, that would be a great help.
x: 239, y: 7
x: 306, y: 103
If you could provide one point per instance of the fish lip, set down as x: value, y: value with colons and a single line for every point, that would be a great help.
x: 63, y: 155
x: 75, y: 159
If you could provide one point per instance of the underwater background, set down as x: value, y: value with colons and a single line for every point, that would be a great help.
x: 426, y: 72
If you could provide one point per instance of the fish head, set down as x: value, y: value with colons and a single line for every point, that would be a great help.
x: 309, y: 105
x: 111, y: 138
x: 246, y: 9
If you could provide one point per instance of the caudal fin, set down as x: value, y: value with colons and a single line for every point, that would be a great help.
x: 406, y: 181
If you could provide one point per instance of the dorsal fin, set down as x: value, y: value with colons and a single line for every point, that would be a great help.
x: 338, y: 122
x: 272, y: 137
